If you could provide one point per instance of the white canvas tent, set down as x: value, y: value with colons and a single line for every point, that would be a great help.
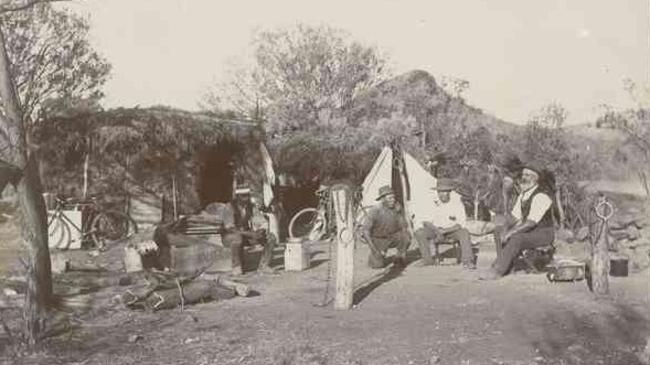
x: 408, y: 178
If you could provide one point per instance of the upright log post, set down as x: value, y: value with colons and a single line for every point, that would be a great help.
x: 174, y: 202
x: 342, y: 199
x: 86, y: 163
x: 560, y: 207
x: 476, y: 194
x: 600, y: 248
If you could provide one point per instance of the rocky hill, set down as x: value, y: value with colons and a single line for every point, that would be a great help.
x: 418, y: 96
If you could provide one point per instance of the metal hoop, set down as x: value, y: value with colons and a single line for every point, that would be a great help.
x: 604, y: 204
x: 345, y: 236
x: 397, y: 163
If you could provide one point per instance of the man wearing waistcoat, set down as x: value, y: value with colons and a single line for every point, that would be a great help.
x: 533, y: 222
x: 239, y: 230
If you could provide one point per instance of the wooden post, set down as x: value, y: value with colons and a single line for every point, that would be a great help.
x: 600, y: 249
x: 174, y: 197
x: 476, y: 204
x: 345, y: 247
x: 86, y: 161
x: 560, y: 208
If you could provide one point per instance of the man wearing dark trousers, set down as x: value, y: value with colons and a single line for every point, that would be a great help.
x: 533, y: 222
x: 384, y: 228
x: 239, y: 231
x: 446, y: 221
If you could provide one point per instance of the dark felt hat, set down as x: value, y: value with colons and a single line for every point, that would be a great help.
x: 445, y: 184
x: 385, y: 190
x: 534, y: 165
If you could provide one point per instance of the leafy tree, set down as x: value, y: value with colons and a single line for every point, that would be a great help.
x: 43, y: 66
x: 300, y: 77
x: 52, y: 61
x: 635, y: 123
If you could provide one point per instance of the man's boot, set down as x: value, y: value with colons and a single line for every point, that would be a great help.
x: 399, y: 262
x: 265, y: 269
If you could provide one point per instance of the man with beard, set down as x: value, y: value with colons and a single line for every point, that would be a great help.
x: 533, y: 222
x: 384, y: 228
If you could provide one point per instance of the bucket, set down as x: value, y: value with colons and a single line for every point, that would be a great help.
x: 132, y: 260
x: 296, y: 255
x: 618, y: 266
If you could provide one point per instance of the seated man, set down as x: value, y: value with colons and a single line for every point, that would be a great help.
x: 446, y: 222
x: 533, y: 223
x: 384, y: 228
x: 239, y: 231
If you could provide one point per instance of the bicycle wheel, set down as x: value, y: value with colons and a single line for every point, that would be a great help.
x: 110, y: 226
x: 58, y: 232
x: 307, y: 223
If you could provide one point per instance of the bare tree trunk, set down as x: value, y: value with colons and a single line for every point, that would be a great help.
x: 32, y: 205
x: 34, y: 233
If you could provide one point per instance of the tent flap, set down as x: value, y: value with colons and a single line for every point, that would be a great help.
x: 420, y: 182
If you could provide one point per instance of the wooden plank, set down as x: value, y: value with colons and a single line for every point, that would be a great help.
x: 345, y: 248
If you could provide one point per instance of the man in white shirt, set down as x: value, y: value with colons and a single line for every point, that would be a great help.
x: 533, y: 225
x: 446, y: 221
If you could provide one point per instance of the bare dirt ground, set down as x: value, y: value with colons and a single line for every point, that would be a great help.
x: 430, y: 315
x: 418, y: 316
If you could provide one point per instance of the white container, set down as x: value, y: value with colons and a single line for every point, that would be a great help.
x: 132, y: 260
x: 71, y: 239
x: 296, y: 256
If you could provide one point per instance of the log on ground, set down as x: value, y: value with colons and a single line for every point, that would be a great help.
x: 193, y: 292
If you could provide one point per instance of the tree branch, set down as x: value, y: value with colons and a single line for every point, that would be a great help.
x: 7, y: 6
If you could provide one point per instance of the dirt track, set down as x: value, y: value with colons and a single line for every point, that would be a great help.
x: 419, y: 316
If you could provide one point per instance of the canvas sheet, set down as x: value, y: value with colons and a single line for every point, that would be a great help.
x: 379, y: 175
x: 421, y: 184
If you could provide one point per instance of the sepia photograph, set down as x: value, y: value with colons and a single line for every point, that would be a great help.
x: 302, y: 182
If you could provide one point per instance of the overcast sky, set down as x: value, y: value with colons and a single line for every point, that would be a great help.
x: 516, y: 54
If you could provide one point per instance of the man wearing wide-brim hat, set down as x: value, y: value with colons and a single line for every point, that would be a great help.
x: 533, y: 221
x: 384, y: 228
x: 445, y: 221
x: 239, y: 230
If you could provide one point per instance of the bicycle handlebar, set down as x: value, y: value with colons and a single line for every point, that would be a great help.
x: 60, y: 202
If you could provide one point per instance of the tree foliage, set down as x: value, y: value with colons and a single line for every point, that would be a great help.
x: 300, y: 76
x: 52, y: 61
x: 634, y: 122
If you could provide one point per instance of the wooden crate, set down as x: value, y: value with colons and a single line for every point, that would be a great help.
x: 192, y: 257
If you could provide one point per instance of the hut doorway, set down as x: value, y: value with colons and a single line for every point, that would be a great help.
x: 215, y: 175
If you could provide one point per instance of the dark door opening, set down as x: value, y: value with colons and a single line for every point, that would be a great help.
x: 215, y: 175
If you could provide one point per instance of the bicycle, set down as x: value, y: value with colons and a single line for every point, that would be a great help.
x: 100, y: 226
x: 315, y: 224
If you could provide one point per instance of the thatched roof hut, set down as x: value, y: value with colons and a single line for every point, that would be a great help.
x: 146, y: 151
